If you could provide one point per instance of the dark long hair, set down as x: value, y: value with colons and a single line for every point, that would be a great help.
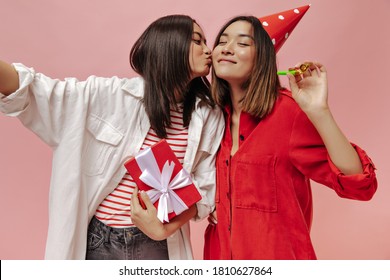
x: 161, y: 57
x: 263, y: 84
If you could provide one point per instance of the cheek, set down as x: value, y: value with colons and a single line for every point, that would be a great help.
x: 248, y: 60
x: 214, y: 56
x: 216, y: 52
x: 191, y: 63
x: 245, y: 56
x: 197, y: 56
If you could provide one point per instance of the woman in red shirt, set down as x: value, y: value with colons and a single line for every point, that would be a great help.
x: 274, y: 142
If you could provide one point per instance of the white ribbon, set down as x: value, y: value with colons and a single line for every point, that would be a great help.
x: 162, y: 185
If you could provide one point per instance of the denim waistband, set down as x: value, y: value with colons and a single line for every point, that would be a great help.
x: 119, y: 234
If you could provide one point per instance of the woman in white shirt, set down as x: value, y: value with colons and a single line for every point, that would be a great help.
x: 95, y: 125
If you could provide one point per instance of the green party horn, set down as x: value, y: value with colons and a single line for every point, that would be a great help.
x: 293, y: 72
x: 297, y: 70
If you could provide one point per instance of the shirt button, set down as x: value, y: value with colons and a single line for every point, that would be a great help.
x: 227, y: 162
x: 242, y: 137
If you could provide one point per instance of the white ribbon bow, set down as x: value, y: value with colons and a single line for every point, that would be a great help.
x: 162, y: 185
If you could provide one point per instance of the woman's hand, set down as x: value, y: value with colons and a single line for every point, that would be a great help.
x: 310, y: 89
x: 212, y: 218
x: 9, y: 78
x: 146, y: 219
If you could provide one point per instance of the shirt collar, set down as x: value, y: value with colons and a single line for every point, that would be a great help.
x: 247, y: 123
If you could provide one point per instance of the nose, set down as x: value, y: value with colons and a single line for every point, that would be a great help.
x: 227, y: 49
x: 206, y: 49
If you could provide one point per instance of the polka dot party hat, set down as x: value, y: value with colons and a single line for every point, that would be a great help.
x: 280, y: 25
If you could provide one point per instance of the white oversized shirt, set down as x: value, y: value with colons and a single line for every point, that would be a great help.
x: 93, y: 127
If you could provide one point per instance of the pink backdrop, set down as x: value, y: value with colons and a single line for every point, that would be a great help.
x: 80, y: 38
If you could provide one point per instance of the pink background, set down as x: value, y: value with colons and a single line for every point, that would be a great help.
x: 81, y: 38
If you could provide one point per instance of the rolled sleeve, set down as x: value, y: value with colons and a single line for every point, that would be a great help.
x: 357, y: 186
x: 206, y: 205
x: 309, y: 155
x: 17, y: 102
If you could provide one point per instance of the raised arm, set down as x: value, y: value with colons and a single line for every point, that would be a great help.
x: 9, y: 79
x: 310, y: 91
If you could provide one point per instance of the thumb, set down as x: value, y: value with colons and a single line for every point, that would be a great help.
x: 294, y: 87
x: 135, y: 202
x: 146, y: 200
x: 293, y: 82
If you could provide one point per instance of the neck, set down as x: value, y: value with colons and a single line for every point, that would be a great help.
x: 236, y: 95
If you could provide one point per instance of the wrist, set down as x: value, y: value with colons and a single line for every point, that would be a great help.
x: 160, y: 234
x: 319, y: 114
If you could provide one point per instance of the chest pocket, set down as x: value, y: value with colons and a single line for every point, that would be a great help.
x: 256, y: 184
x: 99, y: 145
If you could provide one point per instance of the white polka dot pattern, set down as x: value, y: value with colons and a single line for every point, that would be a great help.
x: 280, y: 25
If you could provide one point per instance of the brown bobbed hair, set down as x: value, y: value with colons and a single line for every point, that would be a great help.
x: 263, y: 85
x: 161, y: 57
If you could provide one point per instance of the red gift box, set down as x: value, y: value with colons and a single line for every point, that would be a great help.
x: 157, y: 171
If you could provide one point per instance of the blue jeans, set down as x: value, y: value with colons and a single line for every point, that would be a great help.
x: 107, y: 243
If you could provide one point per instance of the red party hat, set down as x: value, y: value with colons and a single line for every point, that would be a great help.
x: 280, y: 25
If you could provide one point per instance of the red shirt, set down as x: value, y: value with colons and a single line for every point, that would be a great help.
x: 263, y: 199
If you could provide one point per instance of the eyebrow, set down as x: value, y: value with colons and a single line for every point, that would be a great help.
x: 240, y: 35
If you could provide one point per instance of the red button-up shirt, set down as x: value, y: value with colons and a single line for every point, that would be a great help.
x: 264, y: 200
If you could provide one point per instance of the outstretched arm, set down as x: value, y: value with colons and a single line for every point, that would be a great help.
x: 310, y: 91
x: 147, y: 221
x: 9, y: 78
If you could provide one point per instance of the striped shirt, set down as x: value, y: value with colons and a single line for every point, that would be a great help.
x: 114, y: 210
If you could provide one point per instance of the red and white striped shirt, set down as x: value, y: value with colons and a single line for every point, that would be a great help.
x: 114, y: 210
